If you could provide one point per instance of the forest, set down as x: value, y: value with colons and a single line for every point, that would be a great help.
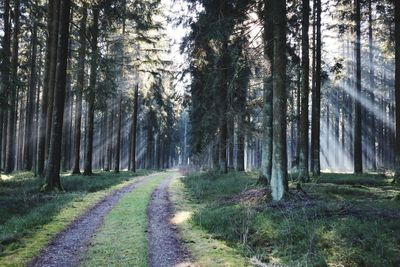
x: 200, y: 133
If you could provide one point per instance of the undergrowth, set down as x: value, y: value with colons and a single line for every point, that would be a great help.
x: 346, y: 220
x: 26, y: 211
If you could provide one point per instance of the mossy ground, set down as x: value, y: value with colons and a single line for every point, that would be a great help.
x: 344, y: 220
x: 30, y: 218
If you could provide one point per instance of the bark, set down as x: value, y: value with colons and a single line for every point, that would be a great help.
x: 223, y: 108
x: 266, y: 157
x: 66, y: 145
x: 52, y: 71
x: 41, y: 155
x: 134, y: 129
x: 10, y: 154
x: 372, y: 88
x: 5, y: 75
x: 304, y: 123
x: 91, y: 94
x: 279, y: 181
x: 54, y: 160
x: 79, y: 92
x: 316, y: 105
x: 358, y: 164
x: 29, y: 114
x: 397, y: 90
x: 118, y: 143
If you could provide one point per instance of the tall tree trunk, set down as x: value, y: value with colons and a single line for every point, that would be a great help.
x: 134, y: 129
x: 118, y: 143
x: 79, y: 92
x: 304, y: 123
x: 5, y: 75
x: 397, y: 90
x: 223, y: 108
x: 68, y: 109
x: 29, y: 114
x: 266, y: 156
x: 316, y: 105
x: 92, y: 92
x: 279, y: 181
x: 41, y: 154
x: 54, y: 160
x: 372, y: 88
x: 52, y: 70
x: 10, y: 160
x: 358, y: 164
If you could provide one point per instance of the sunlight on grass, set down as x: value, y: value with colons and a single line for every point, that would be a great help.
x: 206, y: 250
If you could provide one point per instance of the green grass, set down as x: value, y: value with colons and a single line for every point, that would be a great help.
x: 350, y: 220
x: 29, y: 218
x: 205, y: 248
x: 122, y: 240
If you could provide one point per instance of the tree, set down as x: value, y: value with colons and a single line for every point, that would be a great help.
x: 358, y: 164
x: 397, y: 88
x: 5, y: 71
x: 304, y: 122
x: 279, y: 182
x: 54, y: 160
x: 80, y: 83
x: 316, y: 98
x: 92, y: 91
x: 29, y: 142
x: 134, y: 128
x: 10, y: 160
x: 266, y: 161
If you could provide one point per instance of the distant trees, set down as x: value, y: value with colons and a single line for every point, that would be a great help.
x: 47, y: 88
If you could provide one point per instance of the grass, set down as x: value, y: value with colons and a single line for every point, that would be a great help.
x: 206, y: 249
x: 30, y: 218
x: 347, y: 220
x: 122, y: 239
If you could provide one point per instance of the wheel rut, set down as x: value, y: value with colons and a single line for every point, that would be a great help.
x: 68, y: 247
x: 165, y: 246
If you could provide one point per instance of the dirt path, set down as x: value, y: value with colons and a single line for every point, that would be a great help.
x: 67, y: 247
x: 165, y: 249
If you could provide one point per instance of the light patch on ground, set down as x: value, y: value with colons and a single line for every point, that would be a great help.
x: 181, y: 217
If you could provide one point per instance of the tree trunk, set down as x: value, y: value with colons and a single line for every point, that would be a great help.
x: 54, y: 160
x: 118, y: 144
x: 79, y: 92
x: 10, y: 156
x: 372, y: 88
x: 397, y: 90
x: 5, y: 75
x: 279, y: 181
x: 134, y: 129
x: 304, y: 123
x: 358, y: 164
x: 316, y: 105
x: 41, y: 155
x: 266, y: 156
x: 52, y: 70
x: 91, y: 94
x: 29, y: 114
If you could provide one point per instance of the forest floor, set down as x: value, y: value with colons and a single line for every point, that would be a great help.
x: 336, y: 220
x: 203, y: 219
x: 105, y: 220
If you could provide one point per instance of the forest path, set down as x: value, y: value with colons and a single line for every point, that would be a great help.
x: 165, y: 248
x: 67, y: 247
